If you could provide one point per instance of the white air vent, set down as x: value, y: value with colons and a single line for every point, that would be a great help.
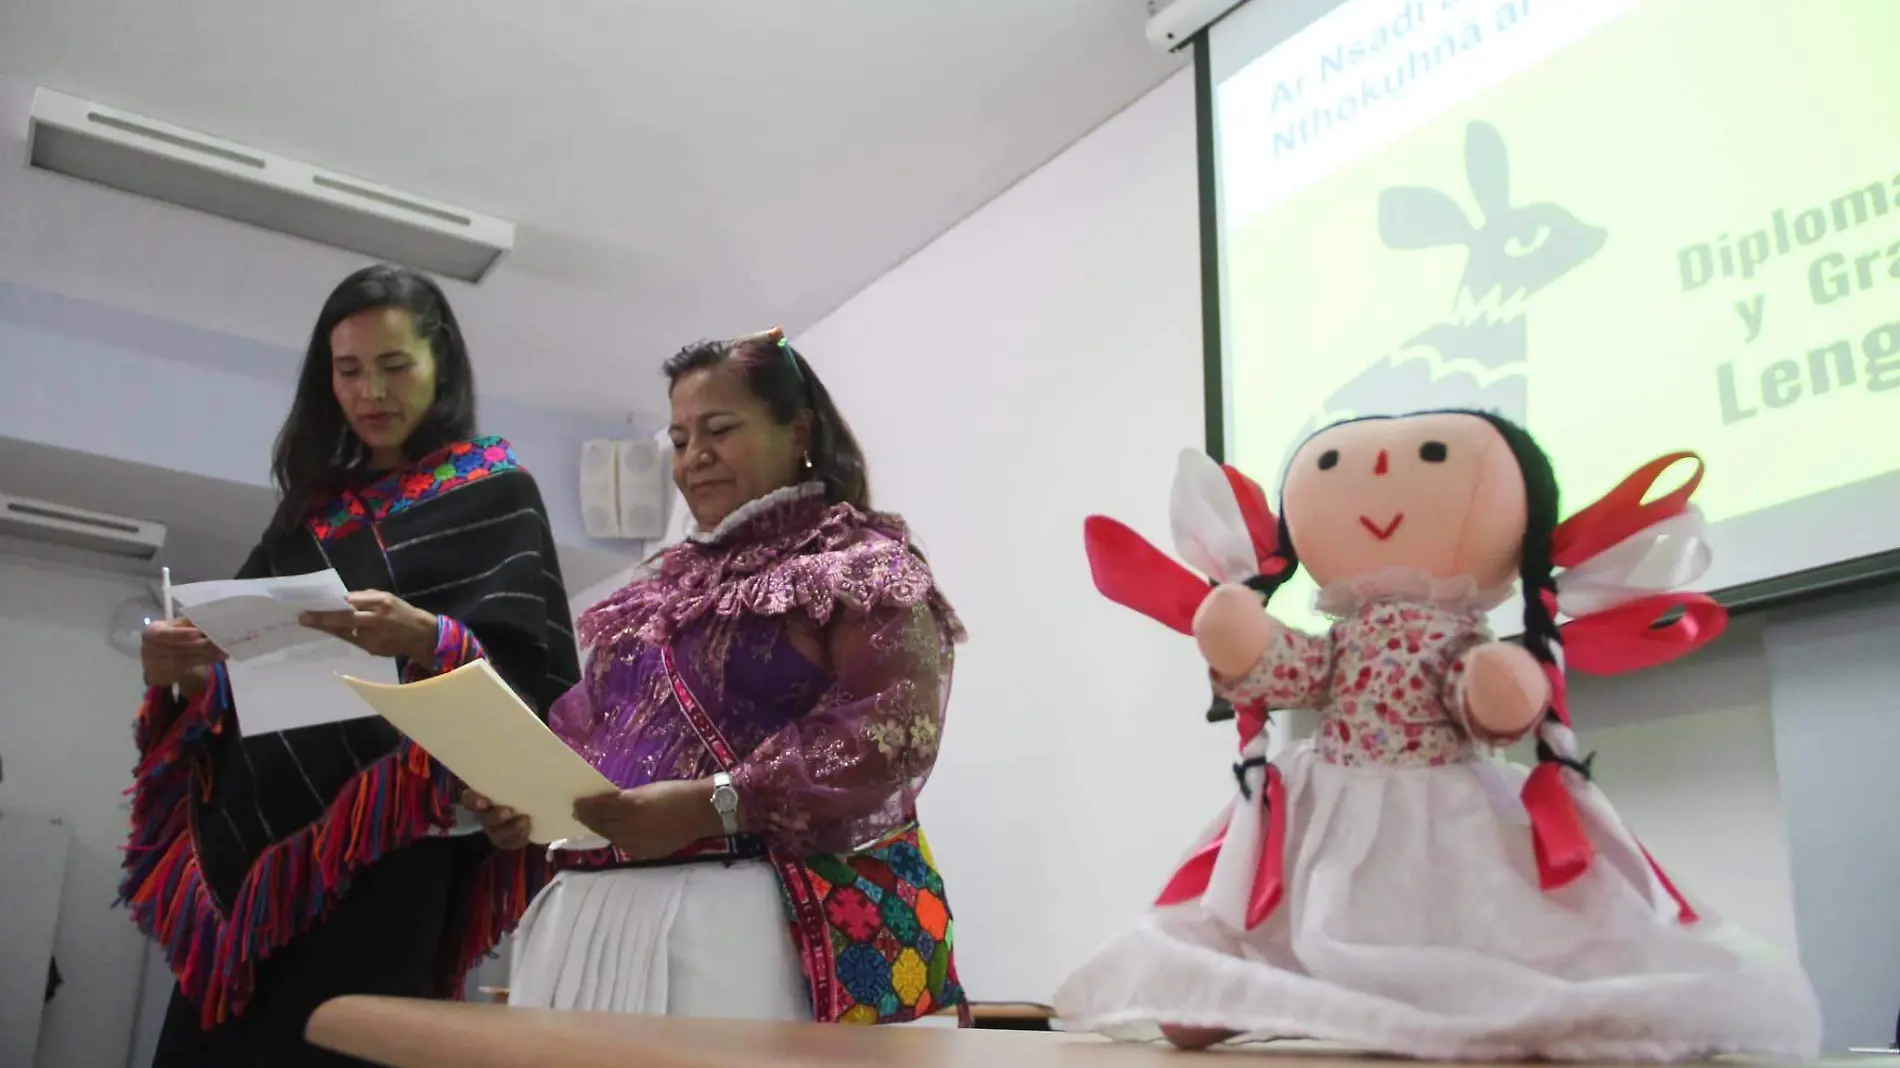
x: 74, y: 137
x: 1173, y: 23
x: 45, y: 523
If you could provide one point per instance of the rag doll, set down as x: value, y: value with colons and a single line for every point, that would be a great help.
x: 1392, y: 884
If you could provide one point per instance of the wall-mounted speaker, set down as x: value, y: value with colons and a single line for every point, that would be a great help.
x: 624, y: 485
x: 644, y: 483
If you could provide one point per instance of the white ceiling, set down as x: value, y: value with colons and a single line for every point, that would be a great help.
x: 679, y: 168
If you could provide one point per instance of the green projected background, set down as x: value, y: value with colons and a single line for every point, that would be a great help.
x: 1682, y: 230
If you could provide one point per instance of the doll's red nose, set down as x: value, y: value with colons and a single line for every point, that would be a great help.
x: 1383, y: 463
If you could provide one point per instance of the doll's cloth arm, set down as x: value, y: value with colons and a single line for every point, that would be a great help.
x: 1295, y: 672
x: 1455, y: 692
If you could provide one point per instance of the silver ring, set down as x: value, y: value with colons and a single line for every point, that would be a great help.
x: 352, y: 632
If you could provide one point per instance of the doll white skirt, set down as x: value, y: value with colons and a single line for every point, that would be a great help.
x: 699, y: 940
x: 1412, y: 923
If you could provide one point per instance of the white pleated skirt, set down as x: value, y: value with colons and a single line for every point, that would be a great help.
x: 1414, y: 924
x: 698, y: 940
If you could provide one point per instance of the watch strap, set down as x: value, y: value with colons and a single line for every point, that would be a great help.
x: 725, y: 801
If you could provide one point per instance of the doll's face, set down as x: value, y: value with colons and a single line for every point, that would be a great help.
x: 1439, y: 493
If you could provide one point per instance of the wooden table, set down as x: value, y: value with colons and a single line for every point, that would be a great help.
x: 433, y: 1034
x: 989, y: 1015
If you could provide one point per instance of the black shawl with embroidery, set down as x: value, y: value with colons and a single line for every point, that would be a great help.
x: 241, y: 844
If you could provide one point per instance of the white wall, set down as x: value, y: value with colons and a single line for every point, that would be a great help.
x: 1699, y: 791
x: 1039, y: 362
x: 1836, y: 695
x: 66, y: 706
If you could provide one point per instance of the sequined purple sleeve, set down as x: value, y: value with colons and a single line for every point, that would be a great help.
x: 575, y: 714
x: 849, y: 771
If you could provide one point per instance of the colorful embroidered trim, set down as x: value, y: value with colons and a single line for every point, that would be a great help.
x: 877, y: 921
x: 610, y: 858
x: 455, y: 645
x: 437, y: 473
x: 294, y: 882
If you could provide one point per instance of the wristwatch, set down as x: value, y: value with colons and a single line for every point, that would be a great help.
x: 725, y: 801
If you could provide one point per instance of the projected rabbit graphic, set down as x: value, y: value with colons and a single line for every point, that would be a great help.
x: 1477, y: 357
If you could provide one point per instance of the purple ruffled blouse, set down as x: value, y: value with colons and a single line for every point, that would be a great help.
x: 835, y: 749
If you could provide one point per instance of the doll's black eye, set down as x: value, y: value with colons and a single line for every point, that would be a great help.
x: 1329, y: 459
x: 1432, y: 452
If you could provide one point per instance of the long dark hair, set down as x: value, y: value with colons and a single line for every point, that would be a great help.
x: 316, y: 453
x: 1541, y: 636
x: 780, y: 377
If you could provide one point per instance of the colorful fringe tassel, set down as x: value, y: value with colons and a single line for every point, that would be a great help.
x: 392, y: 803
x: 497, y: 895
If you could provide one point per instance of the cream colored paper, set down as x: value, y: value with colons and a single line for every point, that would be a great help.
x: 479, y: 729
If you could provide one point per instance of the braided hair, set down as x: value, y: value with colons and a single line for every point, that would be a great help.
x: 1541, y: 635
x: 1541, y: 638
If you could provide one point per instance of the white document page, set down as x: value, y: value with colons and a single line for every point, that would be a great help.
x: 283, y: 674
x: 477, y: 726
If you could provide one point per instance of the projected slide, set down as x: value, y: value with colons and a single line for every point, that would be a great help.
x: 1639, y: 226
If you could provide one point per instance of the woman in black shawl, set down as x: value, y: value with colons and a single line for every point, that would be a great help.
x: 280, y: 870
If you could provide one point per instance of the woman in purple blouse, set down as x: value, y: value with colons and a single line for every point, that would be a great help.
x: 809, y: 631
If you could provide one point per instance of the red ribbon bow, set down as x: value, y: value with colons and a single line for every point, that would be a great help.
x: 1616, y: 640
x: 1628, y: 637
x: 1269, y: 879
x: 1130, y: 571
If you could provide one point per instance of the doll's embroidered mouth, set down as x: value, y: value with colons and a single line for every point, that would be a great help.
x: 1382, y: 533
